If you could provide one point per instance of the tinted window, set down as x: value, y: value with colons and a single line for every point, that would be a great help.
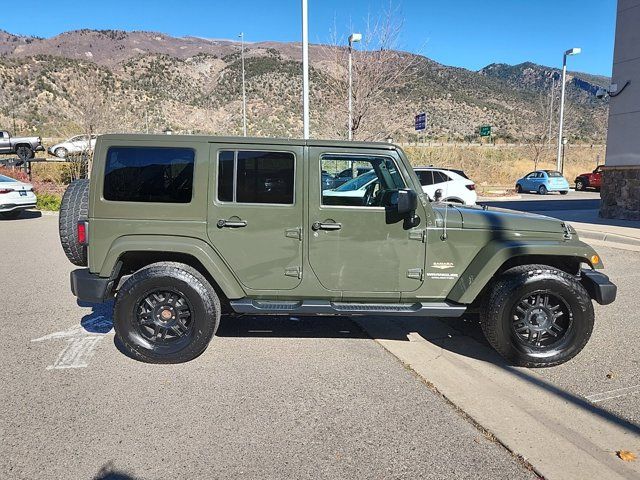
x: 425, y: 177
x: 260, y: 177
x: 149, y: 174
x: 225, y: 176
x: 554, y: 174
x: 439, y: 177
x: 6, y: 179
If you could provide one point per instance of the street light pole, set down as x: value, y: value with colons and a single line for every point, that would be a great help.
x: 572, y: 51
x: 354, y: 37
x: 305, y: 71
x: 244, y: 95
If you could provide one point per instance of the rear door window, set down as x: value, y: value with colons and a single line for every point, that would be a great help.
x: 425, y: 177
x: 149, y: 174
x: 250, y: 176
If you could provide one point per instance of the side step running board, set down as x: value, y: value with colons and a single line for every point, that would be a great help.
x: 324, y: 307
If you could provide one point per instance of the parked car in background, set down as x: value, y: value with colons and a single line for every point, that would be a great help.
x: 24, y: 147
x: 72, y: 146
x: 15, y: 196
x: 543, y: 182
x: 454, y: 184
x: 590, y: 180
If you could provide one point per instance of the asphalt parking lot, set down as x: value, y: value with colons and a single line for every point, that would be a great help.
x: 270, y: 398
x: 273, y: 397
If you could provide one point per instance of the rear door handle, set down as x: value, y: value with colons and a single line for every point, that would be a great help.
x: 231, y: 223
x: 325, y: 226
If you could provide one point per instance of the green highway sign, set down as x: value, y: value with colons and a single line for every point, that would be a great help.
x: 485, y: 131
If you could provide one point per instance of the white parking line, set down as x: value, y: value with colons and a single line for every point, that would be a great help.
x: 82, y: 341
x: 618, y: 392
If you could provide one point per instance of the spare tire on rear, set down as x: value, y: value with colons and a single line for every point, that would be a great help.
x: 73, y: 209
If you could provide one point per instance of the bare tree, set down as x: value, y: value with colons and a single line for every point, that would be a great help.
x: 381, y: 73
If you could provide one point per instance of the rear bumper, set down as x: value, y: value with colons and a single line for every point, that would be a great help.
x: 8, y: 207
x: 599, y: 287
x: 89, y: 287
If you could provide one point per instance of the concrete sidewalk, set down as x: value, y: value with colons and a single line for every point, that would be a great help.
x: 561, y: 435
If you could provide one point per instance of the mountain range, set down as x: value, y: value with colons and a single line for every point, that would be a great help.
x: 146, y: 81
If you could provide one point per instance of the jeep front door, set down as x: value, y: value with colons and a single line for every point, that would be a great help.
x: 255, y: 213
x: 354, y: 246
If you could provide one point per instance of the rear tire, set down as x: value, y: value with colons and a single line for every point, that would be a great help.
x: 12, y: 215
x: 24, y: 152
x: 515, y: 325
x: 166, y: 312
x: 542, y: 190
x: 564, y: 192
x: 74, y: 208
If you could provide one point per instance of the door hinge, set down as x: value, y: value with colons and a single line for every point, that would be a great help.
x: 415, y: 273
x: 419, y: 235
x: 293, y: 233
x: 293, y: 272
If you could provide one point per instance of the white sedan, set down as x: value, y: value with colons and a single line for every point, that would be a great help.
x: 72, y: 146
x: 453, y: 184
x: 15, y: 196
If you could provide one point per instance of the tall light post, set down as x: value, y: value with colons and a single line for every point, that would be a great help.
x: 305, y: 70
x: 571, y: 51
x: 354, y: 37
x: 244, y: 95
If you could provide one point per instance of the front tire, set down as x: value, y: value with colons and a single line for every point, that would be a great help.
x: 581, y: 184
x: 537, y: 316
x: 60, y: 152
x: 518, y: 188
x: 166, y: 312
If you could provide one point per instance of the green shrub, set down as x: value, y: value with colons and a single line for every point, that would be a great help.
x: 47, y: 201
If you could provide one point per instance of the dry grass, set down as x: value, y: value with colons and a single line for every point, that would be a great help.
x: 502, y: 165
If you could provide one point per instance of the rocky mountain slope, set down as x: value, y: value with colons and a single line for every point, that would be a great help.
x: 147, y: 81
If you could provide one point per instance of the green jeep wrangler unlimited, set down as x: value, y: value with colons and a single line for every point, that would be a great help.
x: 183, y: 228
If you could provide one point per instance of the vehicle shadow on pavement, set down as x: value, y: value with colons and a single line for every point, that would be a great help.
x: 26, y: 215
x: 463, y: 336
x: 109, y: 472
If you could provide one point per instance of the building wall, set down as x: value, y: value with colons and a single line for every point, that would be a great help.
x: 621, y: 180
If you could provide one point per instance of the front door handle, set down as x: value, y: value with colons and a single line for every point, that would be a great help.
x: 315, y: 226
x: 231, y: 223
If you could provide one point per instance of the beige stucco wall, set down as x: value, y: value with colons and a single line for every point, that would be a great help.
x: 623, y: 141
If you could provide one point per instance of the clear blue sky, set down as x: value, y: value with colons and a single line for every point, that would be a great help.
x: 463, y: 33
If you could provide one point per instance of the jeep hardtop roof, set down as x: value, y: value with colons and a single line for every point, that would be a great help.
x: 247, y: 140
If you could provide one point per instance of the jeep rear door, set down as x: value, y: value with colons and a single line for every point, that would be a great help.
x: 255, y: 213
x: 353, y: 247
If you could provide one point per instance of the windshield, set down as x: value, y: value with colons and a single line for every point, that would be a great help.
x: 552, y: 173
x: 6, y: 179
x: 358, y: 182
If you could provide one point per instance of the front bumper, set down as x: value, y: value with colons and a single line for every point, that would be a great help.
x: 89, y: 287
x: 598, y: 286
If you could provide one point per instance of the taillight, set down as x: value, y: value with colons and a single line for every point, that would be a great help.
x: 6, y: 190
x: 83, y: 233
x: 471, y: 187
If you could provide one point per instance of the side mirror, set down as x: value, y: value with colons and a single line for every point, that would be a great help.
x: 438, y: 195
x: 402, y: 202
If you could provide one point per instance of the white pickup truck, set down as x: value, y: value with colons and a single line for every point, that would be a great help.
x: 23, y: 147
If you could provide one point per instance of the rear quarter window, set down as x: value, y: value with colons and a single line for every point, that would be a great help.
x: 149, y: 174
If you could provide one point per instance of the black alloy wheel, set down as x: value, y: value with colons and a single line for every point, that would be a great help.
x: 164, y: 316
x: 540, y: 320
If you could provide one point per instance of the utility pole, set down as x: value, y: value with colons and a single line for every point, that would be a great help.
x: 305, y: 71
x: 572, y: 51
x: 553, y: 94
x: 354, y: 37
x: 244, y: 94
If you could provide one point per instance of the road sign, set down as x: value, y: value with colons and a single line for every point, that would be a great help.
x: 485, y: 131
x: 421, y: 121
